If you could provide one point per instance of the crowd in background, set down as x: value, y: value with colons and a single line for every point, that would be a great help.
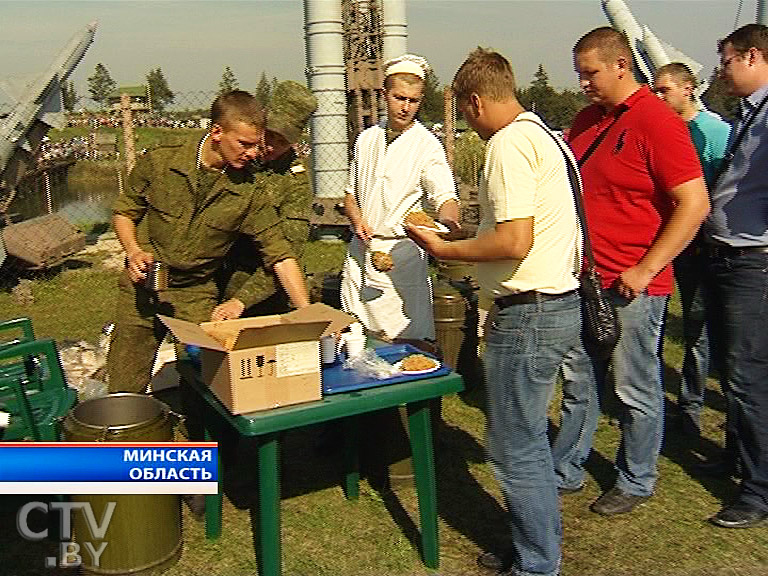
x: 76, y: 148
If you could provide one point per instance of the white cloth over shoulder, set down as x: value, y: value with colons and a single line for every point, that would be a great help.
x: 388, y: 182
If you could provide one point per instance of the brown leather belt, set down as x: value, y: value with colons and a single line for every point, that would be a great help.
x: 530, y: 297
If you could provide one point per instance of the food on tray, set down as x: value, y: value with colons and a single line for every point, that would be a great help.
x: 382, y: 261
x: 417, y: 363
x: 421, y: 219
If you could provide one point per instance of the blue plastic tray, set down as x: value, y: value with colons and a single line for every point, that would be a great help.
x: 336, y: 379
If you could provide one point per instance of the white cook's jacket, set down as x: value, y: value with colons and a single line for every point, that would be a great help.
x: 388, y: 182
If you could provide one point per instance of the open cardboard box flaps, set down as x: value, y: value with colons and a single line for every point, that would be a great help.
x: 265, y: 361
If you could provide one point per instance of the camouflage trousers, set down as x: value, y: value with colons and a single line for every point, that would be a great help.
x: 138, y: 332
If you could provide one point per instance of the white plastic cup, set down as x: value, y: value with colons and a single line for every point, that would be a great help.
x: 355, y: 344
x: 328, y: 349
x: 356, y: 329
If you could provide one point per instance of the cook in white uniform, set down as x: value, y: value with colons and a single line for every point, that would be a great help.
x: 397, y: 166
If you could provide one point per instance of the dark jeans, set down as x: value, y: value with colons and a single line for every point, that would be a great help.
x: 740, y: 323
x: 690, y: 272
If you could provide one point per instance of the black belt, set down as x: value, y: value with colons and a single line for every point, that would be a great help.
x: 530, y: 297
x: 723, y: 250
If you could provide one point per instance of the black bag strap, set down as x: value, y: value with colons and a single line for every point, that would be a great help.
x: 600, y: 137
x: 575, y: 181
x: 728, y: 158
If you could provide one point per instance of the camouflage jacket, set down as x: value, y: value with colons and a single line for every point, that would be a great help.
x: 194, y: 235
x: 287, y: 186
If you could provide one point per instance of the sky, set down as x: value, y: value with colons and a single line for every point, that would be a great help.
x: 192, y: 41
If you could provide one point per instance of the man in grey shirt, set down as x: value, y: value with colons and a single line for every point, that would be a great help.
x: 736, y: 243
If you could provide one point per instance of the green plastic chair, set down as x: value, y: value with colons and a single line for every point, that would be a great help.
x: 12, y: 333
x: 36, y: 400
x: 18, y: 324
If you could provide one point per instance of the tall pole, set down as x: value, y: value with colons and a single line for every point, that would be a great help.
x: 762, y: 17
x: 324, y: 37
x: 448, y: 125
x: 394, y: 29
x: 128, y: 138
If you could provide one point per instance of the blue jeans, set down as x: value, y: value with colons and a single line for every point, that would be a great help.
x: 525, y: 345
x: 636, y: 365
x: 690, y: 275
x: 740, y: 297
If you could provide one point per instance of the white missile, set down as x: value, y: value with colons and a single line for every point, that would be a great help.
x: 649, y: 52
x: 38, y: 103
x: 621, y: 19
x: 656, y: 52
x: 661, y: 54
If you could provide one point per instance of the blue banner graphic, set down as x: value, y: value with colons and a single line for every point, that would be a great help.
x: 152, y: 463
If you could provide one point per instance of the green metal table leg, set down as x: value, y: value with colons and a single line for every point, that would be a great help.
x: 424, y: 470
x: 213, y: 502
x: 269, y: 506
x: 351, y: 458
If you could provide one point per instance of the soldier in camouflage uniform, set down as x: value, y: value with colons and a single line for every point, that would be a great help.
x: 185, y: 205
x: 249, y: 288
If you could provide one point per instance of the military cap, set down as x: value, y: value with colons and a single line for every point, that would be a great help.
x: 289, y: 110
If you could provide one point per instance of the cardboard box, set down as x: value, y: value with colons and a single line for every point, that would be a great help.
x: 262, y: 362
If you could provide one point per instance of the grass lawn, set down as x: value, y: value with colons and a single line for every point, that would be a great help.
x: 324, y: 534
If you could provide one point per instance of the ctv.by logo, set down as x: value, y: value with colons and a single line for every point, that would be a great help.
x: 69, y: 551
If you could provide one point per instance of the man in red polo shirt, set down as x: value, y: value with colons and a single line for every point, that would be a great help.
x: 645, y: 198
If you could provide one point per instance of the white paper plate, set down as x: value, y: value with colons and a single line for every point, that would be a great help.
x: 398, y: 365
x: 441, y: 228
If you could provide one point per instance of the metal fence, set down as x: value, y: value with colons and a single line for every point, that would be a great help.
x: 78, y: 171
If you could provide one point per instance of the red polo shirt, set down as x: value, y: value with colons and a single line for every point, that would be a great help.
x: 646, y: 153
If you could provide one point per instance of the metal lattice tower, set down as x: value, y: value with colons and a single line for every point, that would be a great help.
x: 363, y: 48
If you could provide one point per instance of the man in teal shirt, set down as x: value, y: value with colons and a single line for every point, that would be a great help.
x: 675, y: 84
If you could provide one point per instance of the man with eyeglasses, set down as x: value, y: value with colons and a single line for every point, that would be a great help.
x: 736, y: 243
x: 184, y: 206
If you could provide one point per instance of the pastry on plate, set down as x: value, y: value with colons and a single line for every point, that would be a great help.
x: 421, y: 219
x: 417, y: 363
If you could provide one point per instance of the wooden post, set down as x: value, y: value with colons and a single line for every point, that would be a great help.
x: 48, y: 192
x: 128, y: 141
x: 359, y: 123
x: 374, y: 106
x: 448, y: 125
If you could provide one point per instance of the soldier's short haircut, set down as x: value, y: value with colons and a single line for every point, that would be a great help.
x: 410, y: 79
x: 746, y: 37
x: 679, y: 72
x: 609, y: 43
x: 237, y: 106
x: 486, y: 73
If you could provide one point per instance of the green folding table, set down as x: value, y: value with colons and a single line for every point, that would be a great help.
x: 266, y: 426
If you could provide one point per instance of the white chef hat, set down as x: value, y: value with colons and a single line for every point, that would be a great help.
x: 407, y: 64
